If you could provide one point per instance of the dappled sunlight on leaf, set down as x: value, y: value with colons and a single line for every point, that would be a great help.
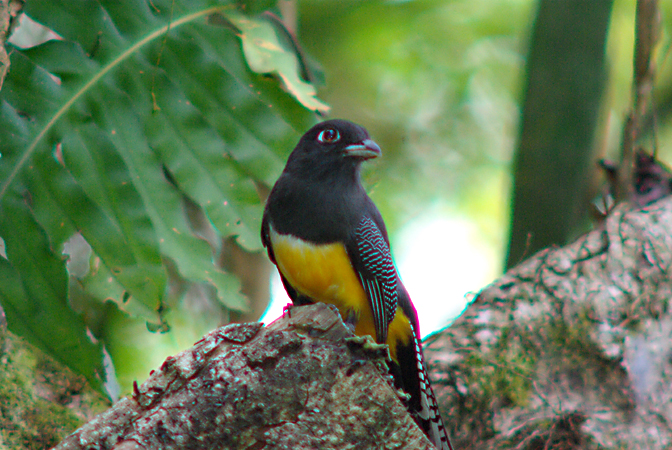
x: 267, y: 53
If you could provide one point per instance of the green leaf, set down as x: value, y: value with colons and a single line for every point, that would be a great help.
x: 266, y: 52
x: 33, y: 293
x: 140, y: 105
x: 122, y: 236
x: 252, y: 7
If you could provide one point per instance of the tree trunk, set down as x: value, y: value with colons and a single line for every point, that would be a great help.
x: 565, y: 77
x: 570, y: 349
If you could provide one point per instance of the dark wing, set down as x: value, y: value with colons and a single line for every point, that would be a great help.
x: 266, y: 238
x: 371, y: 258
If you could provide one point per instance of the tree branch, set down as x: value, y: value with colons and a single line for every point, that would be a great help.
x: 647, y: 33
x: 571, y: 348
x: 303, y: 382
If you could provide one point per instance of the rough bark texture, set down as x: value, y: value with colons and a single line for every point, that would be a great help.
x: 9, y: 11
x: 303, y: 382
x: 571, y: 349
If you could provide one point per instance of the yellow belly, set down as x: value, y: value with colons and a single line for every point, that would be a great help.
x: 324, y: 274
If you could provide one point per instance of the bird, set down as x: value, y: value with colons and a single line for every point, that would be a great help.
x: 330, y: 244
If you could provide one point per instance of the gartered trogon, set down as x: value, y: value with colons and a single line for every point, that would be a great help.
x: 330, y: 245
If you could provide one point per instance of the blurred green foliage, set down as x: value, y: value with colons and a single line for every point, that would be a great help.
x: 436, y: 83
x: 440, y: 84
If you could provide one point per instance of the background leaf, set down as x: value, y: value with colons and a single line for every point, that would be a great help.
x: 266, y: 53
x: 33, y: 292
x: 138, y: 111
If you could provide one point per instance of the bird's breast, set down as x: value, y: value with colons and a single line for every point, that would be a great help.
x: 324, y: 273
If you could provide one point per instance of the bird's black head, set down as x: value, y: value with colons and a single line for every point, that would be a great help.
x: 332, y: 146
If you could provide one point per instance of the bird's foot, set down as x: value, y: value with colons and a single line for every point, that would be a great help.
x: 287, y: 310
x: 367, y: 345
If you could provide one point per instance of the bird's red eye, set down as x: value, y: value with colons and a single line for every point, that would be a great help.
x: 328, y: 136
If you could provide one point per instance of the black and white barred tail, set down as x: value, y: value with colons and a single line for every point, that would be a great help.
x: 429, y: 413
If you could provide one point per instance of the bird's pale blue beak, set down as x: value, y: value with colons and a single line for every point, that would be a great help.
x: 367, y: 149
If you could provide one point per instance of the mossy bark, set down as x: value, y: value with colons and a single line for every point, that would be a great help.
x: 570, y: 349
x: 303, y: 382
x: 41, y: 401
